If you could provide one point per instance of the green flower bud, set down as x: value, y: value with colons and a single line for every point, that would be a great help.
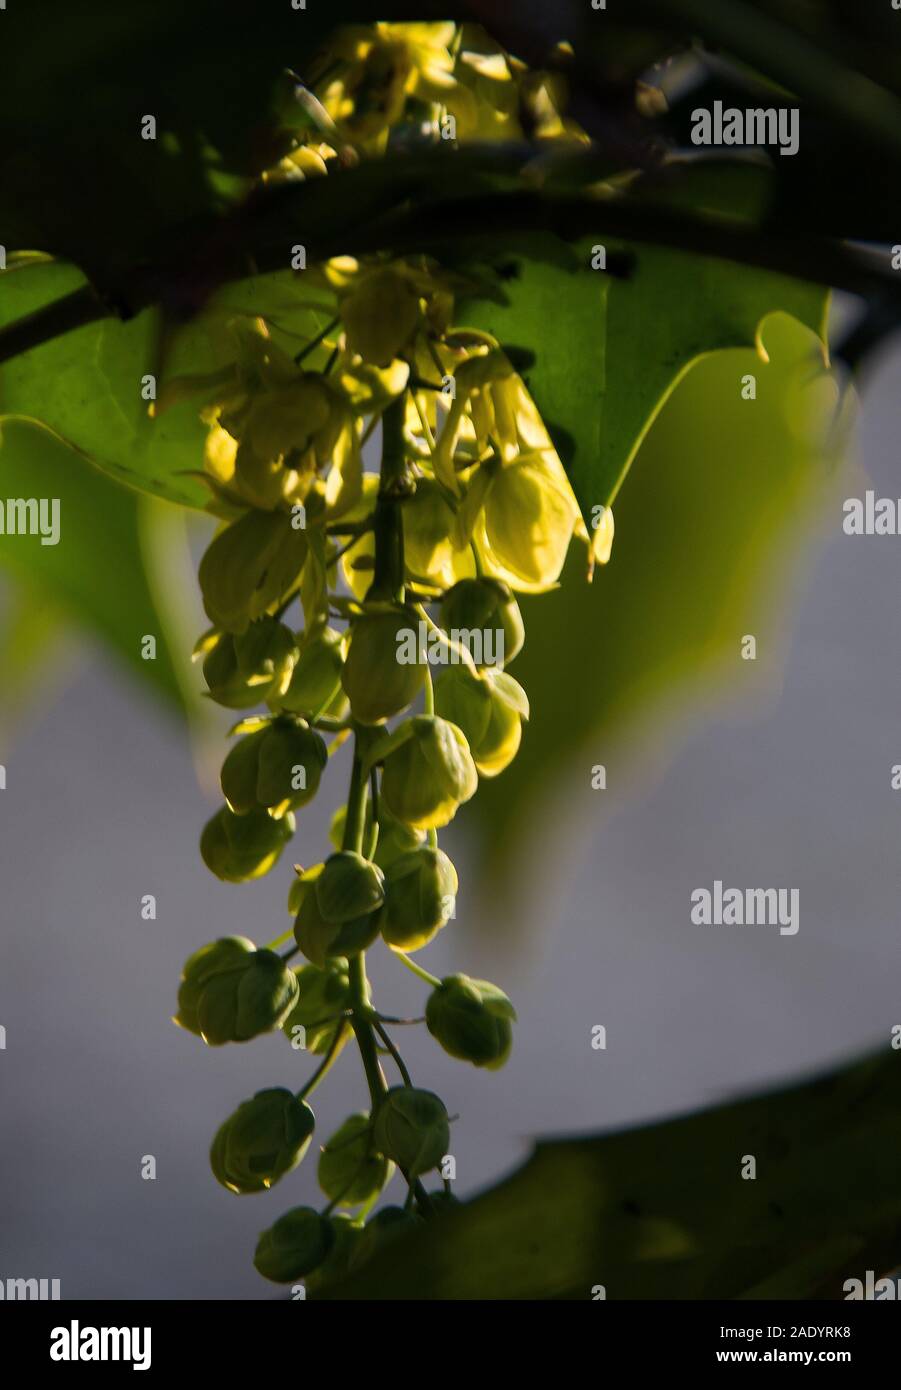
x: 231, y: 992
x: 471, y: 1020
x: 485, y: 605
x: 352, y: 883
x: 241, y: 671
x: 322, y: 996
x: 339, y: 1259
x: 383, y: 1229
x: 380, y: 314
x: 299, y: 1242
x: 249, y: 566
x: 276, y: 768
x: 489, y: 709
x: 350, y: 1170
x: 238, y: 848
x: 379, y: 681
x: 429, y: 774
x: 292, y: 757
x: 430, y: 555
x: 316, y: 679
x: 411, y: 1127
x: 419, y: 897
x: 349, y: 886
x: 264, y: 1139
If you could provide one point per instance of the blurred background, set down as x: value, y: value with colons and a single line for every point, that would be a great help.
x: 576, y: 901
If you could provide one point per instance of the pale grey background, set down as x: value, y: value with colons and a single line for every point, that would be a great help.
x: 102, y: 807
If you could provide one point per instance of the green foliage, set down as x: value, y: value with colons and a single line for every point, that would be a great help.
x: 96, y: 404
x: 664, y: 1212
x: 96, y: 576
x: 655, y: 637
x: 629, y: 341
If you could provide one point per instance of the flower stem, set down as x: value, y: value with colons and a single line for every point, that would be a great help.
x: 354, y: 827
x: 417, y: 969
x: 388, y: 575
x: 398, y: 1060
x: 326, y: 1064
x: 314, y: 342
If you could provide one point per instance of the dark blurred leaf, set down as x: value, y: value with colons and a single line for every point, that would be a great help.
x: 76, y: 80
x: 95, y: 574
x: 664, y: 1212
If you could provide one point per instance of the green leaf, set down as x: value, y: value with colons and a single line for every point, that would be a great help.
x: 664, y: 1211
x: 86, y: 386
x: 711, y: 529
x: 95, y: 574
x: 625, y: 344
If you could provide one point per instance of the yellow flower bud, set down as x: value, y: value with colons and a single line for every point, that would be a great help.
x: 250, y: 566
x: 527, y: 522
x: 380, y: 315
x: 489, y: 708
x: 429, y: 532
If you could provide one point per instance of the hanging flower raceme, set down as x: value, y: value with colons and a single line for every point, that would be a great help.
x: 395, y: 574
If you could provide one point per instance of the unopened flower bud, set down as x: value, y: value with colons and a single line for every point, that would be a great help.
x: 489, y: 708
x: 277, y: 768
x: 339, y: 917
x: 299, y: 1242
x: 231, y: 992
x: 322, y: 997
x: 243, y: 670
x: 380, y: 315
x: 471, y: 1020
x: 528, y: 521
x: 351, y: 1170
x: 411, y: 1127
x: 430, y: 554
x: 485, y: 606
x: 265, y: 1138
x: 238, y: 848
x: 349, y: 886
x: 250, y: 565
x: 429, y: 774
x: 380, y: 684
x: 316, y: 679
x: 419, y: 897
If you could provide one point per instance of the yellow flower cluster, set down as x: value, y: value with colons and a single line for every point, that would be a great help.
x: 375, y: 78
